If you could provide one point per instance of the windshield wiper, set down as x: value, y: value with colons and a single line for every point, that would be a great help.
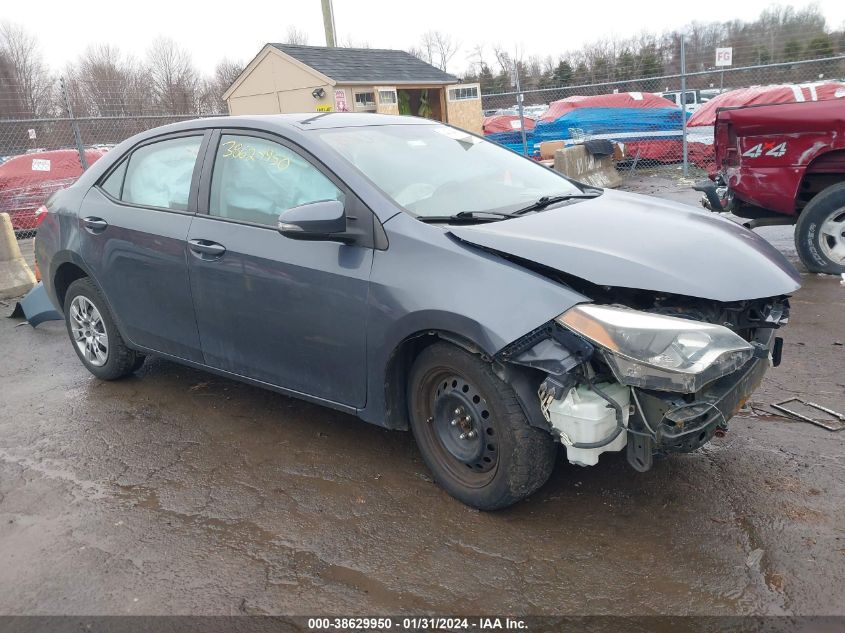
x: 546, y: 201
x: 467, y: 216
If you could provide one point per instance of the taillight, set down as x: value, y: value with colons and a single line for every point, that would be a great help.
x: 40, y: 214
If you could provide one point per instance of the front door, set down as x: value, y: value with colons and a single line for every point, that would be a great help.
x: 286, y: 312
x: 133, y: 228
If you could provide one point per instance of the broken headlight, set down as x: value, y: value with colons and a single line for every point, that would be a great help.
x: 653, y: 351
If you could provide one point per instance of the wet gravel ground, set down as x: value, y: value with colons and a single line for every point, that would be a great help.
x: 177, y: 492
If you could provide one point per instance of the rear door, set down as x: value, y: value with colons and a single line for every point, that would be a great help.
x: 286, y: 312
x: 133, y: 227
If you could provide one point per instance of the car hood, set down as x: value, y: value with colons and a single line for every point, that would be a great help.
x: 634, y: 241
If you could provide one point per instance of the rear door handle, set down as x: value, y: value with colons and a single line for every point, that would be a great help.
x: 206, y: 249
x: 95, y: 225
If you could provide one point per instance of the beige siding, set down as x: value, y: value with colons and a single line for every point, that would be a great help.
x: 278, y: 85
x: 254, y: 104
x: 301, y: 100
x: 465, y: 113
x: 387, y: 108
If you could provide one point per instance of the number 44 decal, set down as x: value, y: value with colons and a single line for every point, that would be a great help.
x: 770, y: 150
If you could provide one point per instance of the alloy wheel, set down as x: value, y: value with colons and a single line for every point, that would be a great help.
x: 832, y: 236
x: 89, y: 331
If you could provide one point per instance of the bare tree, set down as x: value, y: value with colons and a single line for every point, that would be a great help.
x: 427, y: 47
x: 418, y: 52
x: 351, y: 42
x: 295, y: 36
x: 476, y: 58
x: 225, y: 74
x: 27, y: 76
x: 106, y: 83
x: 436, y: 48
x: 172, y: 77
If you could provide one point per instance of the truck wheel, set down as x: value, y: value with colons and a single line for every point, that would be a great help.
x: 820, y: 232
x: 94, y: 334
x: 472, y: 432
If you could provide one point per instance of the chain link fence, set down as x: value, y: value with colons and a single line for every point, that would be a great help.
x: 45, y: 146
x: 644, y: 114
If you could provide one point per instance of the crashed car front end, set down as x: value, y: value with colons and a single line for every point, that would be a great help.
x: 658, y: 375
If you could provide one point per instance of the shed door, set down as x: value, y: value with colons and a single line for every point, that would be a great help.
x: 387, y: 101
x: 463, y: 106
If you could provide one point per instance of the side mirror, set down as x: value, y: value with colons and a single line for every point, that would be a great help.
x: 316, y: 221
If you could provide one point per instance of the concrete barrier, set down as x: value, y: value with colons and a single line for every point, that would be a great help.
x: 577, y: 163
x: 15, y: 276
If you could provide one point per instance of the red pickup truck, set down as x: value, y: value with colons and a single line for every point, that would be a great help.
x: 785, y: 164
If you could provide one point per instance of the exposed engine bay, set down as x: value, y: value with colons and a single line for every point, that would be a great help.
x: 645, y: 372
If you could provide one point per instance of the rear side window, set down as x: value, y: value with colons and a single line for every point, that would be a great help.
x: 254, y: 180
x: 113, y: 185
x: 159, y: 174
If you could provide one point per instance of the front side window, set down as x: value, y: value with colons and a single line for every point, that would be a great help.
x: 433, y: 169
x: 254, y: 180
x: 159, y: 174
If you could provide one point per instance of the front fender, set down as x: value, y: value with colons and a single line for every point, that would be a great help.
x: 428, y: 281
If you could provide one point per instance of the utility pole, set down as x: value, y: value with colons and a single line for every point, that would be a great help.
x: 328, y: 22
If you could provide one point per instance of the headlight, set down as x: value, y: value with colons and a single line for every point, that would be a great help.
x: 659, y: 352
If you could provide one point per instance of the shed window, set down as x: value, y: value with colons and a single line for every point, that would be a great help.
x: 463, y: 93
x: 387, y: 96
x: 365, y: 100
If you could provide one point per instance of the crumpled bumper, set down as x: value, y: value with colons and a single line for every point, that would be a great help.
x: 669, y: 423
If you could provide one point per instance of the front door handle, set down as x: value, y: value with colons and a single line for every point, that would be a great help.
x: 206, y: 249
x: 95, y: 225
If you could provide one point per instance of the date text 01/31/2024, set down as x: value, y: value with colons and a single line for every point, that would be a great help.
x: 416, y: 623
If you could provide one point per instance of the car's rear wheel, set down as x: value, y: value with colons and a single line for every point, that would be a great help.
x: 820, y: 232
x: 472, y: 432
x: 94, y: 335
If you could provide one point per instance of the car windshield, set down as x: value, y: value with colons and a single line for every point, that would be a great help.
x: 436, y: 170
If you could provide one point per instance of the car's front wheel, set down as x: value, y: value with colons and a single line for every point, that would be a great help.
x: 94, y: 335
x: 472, y: 432
x: 820, y: 232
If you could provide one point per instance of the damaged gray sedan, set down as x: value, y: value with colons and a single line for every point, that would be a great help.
x: 421, y: 278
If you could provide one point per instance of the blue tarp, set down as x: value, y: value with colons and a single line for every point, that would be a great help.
x: 593, y: 121
x: 513, y: 140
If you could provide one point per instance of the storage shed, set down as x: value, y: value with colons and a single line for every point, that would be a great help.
x: 286, y: 78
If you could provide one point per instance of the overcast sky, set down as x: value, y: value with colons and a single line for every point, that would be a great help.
x: 238, y: 29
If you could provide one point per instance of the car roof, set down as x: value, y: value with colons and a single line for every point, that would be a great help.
x: 304, y: 121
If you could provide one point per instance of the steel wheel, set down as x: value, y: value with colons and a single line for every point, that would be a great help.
x: 460, y: 427
x: 89, y: 331
x: 472, y: 432
x: 832, y: 236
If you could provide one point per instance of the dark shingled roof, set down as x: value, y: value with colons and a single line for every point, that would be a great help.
x: 372, y: 65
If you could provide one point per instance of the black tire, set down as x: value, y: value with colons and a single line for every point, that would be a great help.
x: 812, y: 244
x: 513, y: 458
x: 139, y: 362
x: 120, y: 361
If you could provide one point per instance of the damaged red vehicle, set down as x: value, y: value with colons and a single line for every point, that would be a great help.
x: 785, y: 164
